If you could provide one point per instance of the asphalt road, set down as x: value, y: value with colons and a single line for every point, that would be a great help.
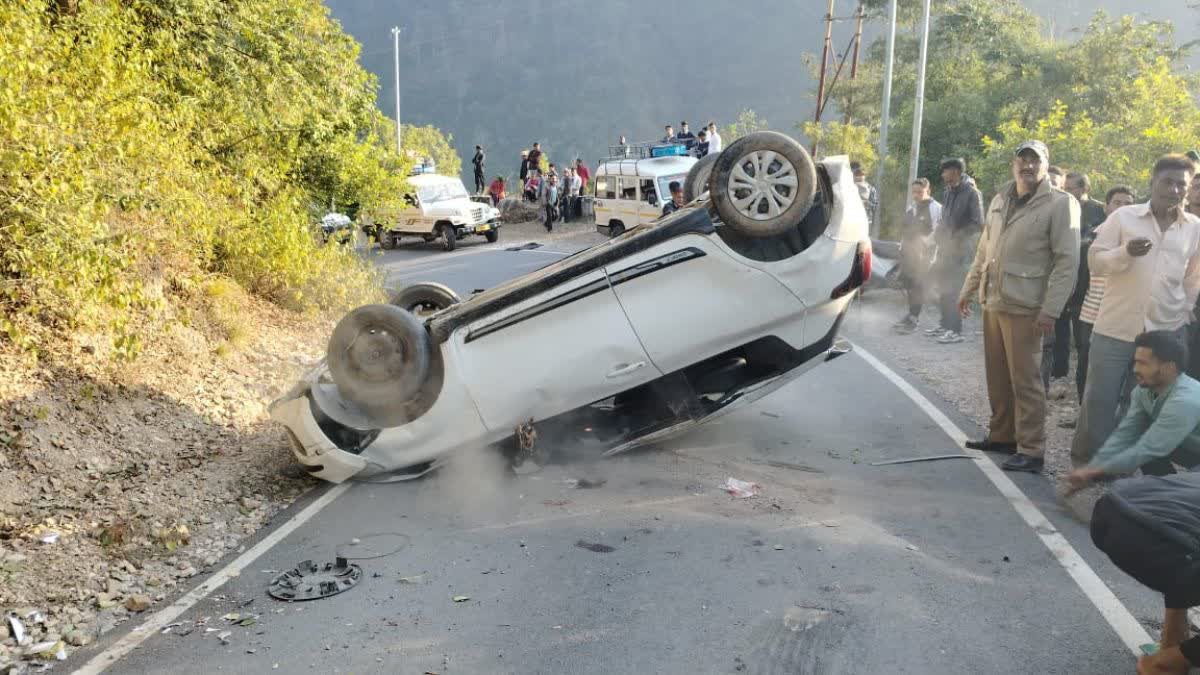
x: 835, y: 567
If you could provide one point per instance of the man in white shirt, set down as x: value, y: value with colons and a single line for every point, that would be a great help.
x: 714, y: 139
x: 1150, y: 256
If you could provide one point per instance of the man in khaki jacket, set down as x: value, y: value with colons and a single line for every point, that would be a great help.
x: 1023, y: 274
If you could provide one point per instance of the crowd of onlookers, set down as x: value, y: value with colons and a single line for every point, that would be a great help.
x: 1118, y: 281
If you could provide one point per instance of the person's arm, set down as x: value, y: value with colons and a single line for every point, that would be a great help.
x: 1191, y: 279
x: 1064, y: 247
x: 1138, y: 439
x: 975, y: 273
x: 1107, y: 254
x: 974, y: 211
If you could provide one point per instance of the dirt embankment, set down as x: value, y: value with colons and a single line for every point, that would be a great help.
x: 118, y: 482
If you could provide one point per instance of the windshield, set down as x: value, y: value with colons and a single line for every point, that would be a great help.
x: 664, y: 185
x: 441, y: 192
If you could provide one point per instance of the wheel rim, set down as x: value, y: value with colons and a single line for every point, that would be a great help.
x: 425, y: 309
x: 763, y: 185
x: 376, y: 355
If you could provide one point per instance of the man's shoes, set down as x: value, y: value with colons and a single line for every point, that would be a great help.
x: 936, y: 331
x: 949, y: 338
x: 905, y: 326
x: 988, y: 445
x: 1023, y: 463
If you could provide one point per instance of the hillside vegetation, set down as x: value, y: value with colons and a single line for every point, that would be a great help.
x: 150, y: 149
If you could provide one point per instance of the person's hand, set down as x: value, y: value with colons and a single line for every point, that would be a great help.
x: 1139, y: 247
x: 1166, y: 662
x: 1044, y: 323
x: 964, y: 307
x: 1081, y: 478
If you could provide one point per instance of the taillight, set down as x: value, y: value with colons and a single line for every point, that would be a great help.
x: 860, y: 271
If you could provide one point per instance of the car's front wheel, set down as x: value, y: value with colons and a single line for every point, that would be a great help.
x: 492, y: 235
x: 449, y: 237
x: 379, y: 357
x: 763, y: 184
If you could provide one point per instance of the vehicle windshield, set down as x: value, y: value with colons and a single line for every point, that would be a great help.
x: 441, y: 192
x: 664, y: 185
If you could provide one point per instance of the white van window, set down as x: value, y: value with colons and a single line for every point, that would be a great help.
x: 664, y: 184
x: 647, y: 193
x: 627, y: 185
x: 606, y: 187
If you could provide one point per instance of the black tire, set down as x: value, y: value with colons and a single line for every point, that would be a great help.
x: 423, y: 299
x: 379, y: 357
x: 754, y: 219
x: 387, y: 241
x: 449, y: 237
x: 616, y: 228
x: 492, y: 235
x: 698, y: 178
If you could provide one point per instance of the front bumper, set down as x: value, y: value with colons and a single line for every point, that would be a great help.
x: 483, y: 228
x: 310, y: 446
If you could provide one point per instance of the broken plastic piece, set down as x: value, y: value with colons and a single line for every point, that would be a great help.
x: 309, y: 581
x: 911, y: 460
x: 17, y: 629
x: 50, y: 538
x: 462, y: 598
x: 739, y: 488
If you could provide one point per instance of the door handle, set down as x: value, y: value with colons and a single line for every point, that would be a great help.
x: 627, y: 369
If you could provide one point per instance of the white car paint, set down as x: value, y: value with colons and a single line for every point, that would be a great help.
x: 603, y: 334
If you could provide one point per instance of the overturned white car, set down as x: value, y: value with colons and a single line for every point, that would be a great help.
x: 639, y: 338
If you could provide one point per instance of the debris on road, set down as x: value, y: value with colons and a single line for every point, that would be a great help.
x: 912, y: 548
x: 583, y: 483
x: 413, y: 580
x: 911, y: 460
x: 796, y: 466
x: 594, y: 548
x: 771, y: 414
x: 461, y: 598
x: 777, y: 547
x: 557, y: 502
x: 50, y: 538
x: 308, y: 581
x: 223, y: 636
x: 739, y: 488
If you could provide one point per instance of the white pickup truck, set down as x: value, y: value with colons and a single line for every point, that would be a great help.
x: 438, y: 207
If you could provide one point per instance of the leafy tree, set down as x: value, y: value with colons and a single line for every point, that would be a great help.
x: 839, y: 138
x: 747, y: 123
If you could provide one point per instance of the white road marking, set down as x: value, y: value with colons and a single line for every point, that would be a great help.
x: 162, y: 617
x: 1118, y: 616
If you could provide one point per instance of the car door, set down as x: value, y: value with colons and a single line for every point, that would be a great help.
x: 562, y: 349
x: 689, y: 300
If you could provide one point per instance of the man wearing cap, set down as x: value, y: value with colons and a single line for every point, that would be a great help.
x: 1023, y: 274
x: 1150, y: 256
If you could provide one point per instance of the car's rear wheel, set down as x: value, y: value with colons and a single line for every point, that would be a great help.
x: 698, y: 177
x: 492, y: 235
x: 763, y: 184
x: 425, y: 298
x: 379, y: 356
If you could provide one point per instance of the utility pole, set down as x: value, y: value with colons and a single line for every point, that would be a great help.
x: 858, y: 27
x: 919, y: 109
x: 396, y: 54
x: 887, y: 105
x: 824, y: 62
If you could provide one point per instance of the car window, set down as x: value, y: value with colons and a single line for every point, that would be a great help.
x: 441, y: 192
x: 647, y: 192
x: 606, y: 187
x: 627, y: 185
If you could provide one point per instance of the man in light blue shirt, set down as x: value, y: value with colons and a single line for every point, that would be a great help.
x: 1162, y: 426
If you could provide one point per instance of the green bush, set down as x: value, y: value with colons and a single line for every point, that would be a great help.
x: 146, y: 144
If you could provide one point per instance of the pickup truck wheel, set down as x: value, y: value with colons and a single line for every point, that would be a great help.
x: 387, y: 240
x: 763, y: 184
x: 492, y: 235
x: 425, y: 298
x: 698, y: 177
x: 379, y: 356
x: 449, y: 237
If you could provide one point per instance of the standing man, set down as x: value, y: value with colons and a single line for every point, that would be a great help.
x: 564, y: 199
x: 702, y: 144
x: 535, y: 157
x: 576, y: 192
x: 867, y: 193
x: 914, y: 253
x: 1150, y: 254
x: 714, y: 139
x: 1089, y: 309
x: 1057, y: 177
x: 1023, y: 274
x: 686, y: 137
x: 477, y: 160
x: 585, y: 174
x: 670, y: 137
x: 1056, y: 354
x: 955, y: 238
x: 524, y: 174
x: 548, y: 198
